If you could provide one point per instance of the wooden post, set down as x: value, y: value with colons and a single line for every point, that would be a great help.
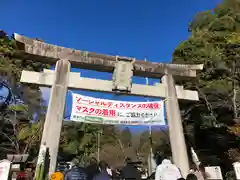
x: 177, y: 139
x: 55, y: 112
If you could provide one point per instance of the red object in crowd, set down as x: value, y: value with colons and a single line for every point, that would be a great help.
x: 21, y: 176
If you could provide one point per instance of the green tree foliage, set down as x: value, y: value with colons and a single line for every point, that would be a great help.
x: 78, y: 138
x: 11, y: 68
x: 18, y: 135
x: 214, y: 42
x: 81, y: 140
x: 30, y: 136
x: 159, y: 142
x: 26, y: 102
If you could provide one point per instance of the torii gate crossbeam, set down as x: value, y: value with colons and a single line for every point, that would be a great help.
x: 46, y: 78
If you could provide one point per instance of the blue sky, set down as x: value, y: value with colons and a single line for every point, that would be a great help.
x: 140, y: 29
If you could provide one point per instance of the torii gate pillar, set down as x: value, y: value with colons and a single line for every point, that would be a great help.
x: 177, y: 139
x: 55, y: 112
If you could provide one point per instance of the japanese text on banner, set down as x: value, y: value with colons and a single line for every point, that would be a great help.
x: 102, y: 111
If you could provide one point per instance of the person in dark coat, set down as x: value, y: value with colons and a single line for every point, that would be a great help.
x: 103, y: 174
x: 191, y: 177
x: 92, y: 170
x: 75, y: 173
x: 130, y: 172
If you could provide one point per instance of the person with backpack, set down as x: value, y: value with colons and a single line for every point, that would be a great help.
x: 75, y: 173
x: 103, y: 174
x: 167, y: 170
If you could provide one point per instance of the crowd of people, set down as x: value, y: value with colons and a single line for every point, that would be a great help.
x: 101, y: 171
x: 165, y: 170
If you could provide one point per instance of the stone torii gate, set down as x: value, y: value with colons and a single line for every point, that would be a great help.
x: 123, y: 68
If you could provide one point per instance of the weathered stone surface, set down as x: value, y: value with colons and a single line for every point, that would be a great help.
x: 41, y: 51
x: 46, y: 78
